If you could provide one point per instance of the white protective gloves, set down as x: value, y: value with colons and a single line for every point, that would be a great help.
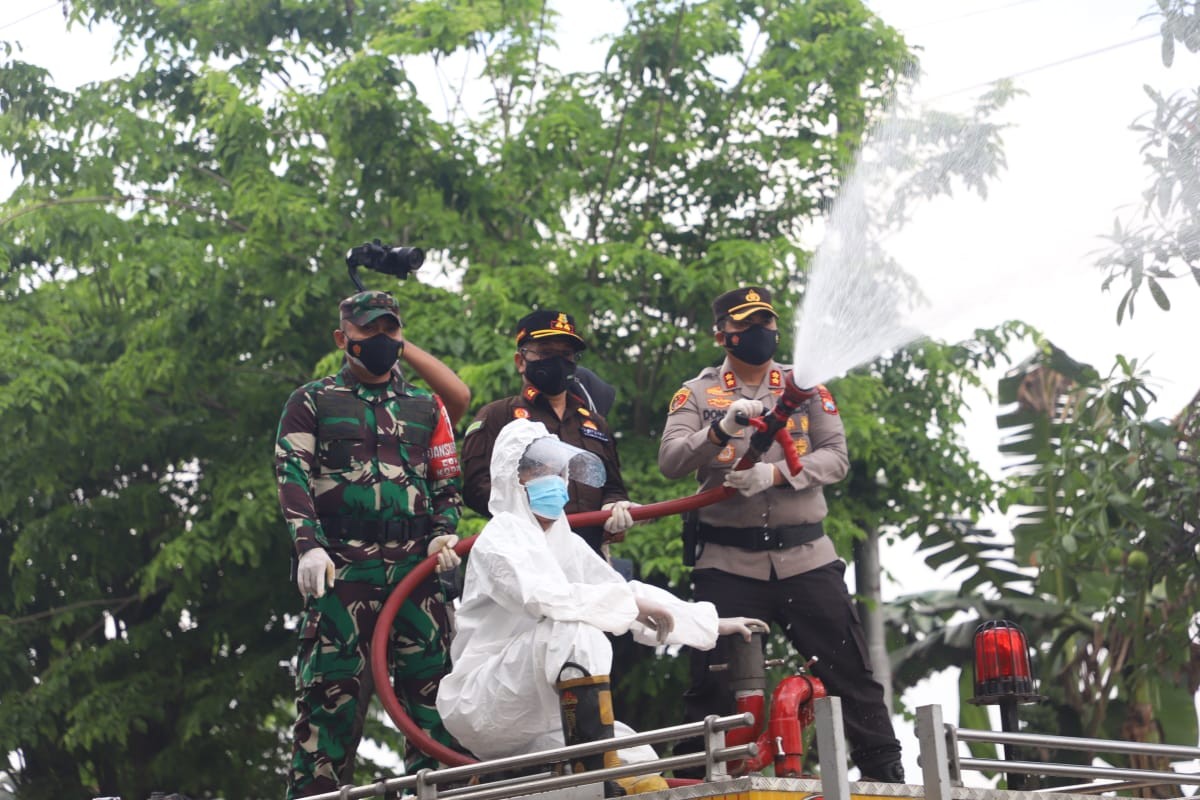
x: 750, y: 482
x: 741, y: 625
x: 443, y: 546
x: 619, y: 521
x: 742, y: 406
x: 656, y: 617
x: 314, y: 572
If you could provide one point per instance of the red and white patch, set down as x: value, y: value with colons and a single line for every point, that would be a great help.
x: 520, y: 413
x: 443, y: 455
x: 679, y: 399
x: 827, y: 403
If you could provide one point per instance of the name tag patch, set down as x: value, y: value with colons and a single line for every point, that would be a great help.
x: 592, y: 433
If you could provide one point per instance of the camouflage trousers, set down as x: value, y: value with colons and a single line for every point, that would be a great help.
x: 333, y: 678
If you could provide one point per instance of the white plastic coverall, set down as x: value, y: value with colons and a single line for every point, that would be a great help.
x: 534, y: 599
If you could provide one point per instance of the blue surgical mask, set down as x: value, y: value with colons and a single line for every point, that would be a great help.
x: 547, y: 496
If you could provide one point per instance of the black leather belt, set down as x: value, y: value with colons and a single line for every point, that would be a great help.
x: 762, y: 538
x: 377, y: 530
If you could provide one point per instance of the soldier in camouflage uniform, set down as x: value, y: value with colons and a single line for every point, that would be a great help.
x: 369, y: 485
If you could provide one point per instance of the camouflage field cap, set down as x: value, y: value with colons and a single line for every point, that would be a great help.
x: 741, y: 303
x: 366, y: 307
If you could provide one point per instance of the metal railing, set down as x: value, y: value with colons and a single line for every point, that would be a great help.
x: 425, y: 783
x: 941, y: 764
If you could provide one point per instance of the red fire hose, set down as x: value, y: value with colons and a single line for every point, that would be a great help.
x: 379, y: 663
x: 768, y: 429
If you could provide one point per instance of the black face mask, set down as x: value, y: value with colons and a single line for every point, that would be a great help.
x: 550, y: 375
x: 377, y: 354
x: 755, y: 345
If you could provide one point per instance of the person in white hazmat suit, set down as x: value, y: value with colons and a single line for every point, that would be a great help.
x: 536, y: 600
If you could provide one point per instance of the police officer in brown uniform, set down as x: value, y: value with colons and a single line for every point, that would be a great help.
x: 762, y: 553
x: 548, y: 348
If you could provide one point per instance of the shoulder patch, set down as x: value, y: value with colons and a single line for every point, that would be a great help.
x: 474, y: 426
x: 729, y: 379
x: 827, y: 404
x: 679, y: 399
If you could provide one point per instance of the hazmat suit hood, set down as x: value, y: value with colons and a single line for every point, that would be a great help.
x: 508, y: 495
x: 509, y: 506
x: 531, y: 452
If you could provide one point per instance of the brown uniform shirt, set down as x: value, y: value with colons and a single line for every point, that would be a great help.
x: 578, y: 427
x: 819, y: 438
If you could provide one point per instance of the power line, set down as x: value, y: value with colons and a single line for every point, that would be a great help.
x: 1050, y: 65
x: 29, y: 16
x: 975, y: 13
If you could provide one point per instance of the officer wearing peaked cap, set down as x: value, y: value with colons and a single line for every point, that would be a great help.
x: 548, y: 348
x: 763, y: 552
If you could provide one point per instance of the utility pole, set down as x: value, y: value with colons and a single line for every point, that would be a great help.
x: 870, y: 607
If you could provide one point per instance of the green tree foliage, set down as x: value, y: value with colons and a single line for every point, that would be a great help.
x: 1110, y: 513
x: 1113, y: 495
x: 172, y: 259
x: 161, y: 282
x: 1165, y: 243
x: 1107, y: 533
x: 1102, y: 574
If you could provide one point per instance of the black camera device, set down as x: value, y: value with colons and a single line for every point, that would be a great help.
x: 398, y: 261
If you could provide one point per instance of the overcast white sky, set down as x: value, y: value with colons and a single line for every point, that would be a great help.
x: 1024, y: 254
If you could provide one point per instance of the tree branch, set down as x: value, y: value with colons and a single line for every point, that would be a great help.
x: 118, y: 602
x: 124, y: 198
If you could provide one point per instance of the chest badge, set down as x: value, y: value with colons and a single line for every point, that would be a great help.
x: 589, y: 429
